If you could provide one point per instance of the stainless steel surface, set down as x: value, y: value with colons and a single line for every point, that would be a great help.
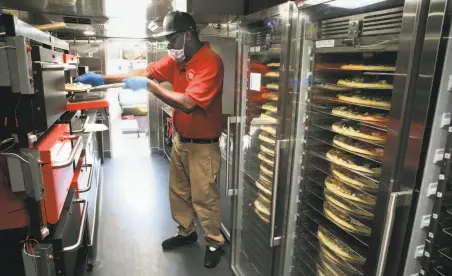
x: 90, y: 179
x: 51, y: 67
x: 78, y: 244
x: 395, y: 199
x: 20, y: 65
x: 433, y: 78
x: 32, y: 173
x: 227, y: 190
x: 76, y: 150
x: 275, y: 241
x: 87, y: 121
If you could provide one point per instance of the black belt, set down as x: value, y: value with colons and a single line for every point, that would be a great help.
x: 198, y: 141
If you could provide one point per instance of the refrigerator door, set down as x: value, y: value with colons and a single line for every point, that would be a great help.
x: 359, y: 63
x: 264, y: 138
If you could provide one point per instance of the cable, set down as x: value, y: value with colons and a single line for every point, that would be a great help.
x: 6, y: 141
x: 15, y: 156
x: 15, y: 111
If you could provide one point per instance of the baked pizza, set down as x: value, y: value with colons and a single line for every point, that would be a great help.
x: 266, y: 171
x: 338, y: 247
x: 274, y: 64
x: 263, y: 188
x: 344, y: 221
x: 328, y: 256
x: 357, y: 114
x: 267, y: 150
x: 331, y: 269
x: 261, y: 208
x: 270, y: 96
x: 269, y: 129
x: 321, y: 271
x: 77, y: 87
x: 352, y: 162
x: 341, y: 190
x: 271, y: 107
x: 361, y: 98
x: 346, y: 206
x: 267, y: 138
x: 332, y: 87
x: 361, y: 67
x: 266, y: 181
x: 357, y: 146
x: 359, y: 83
x: 354, y: 180
x: 268, y: 118
x: 272, y: 74
x: 264, y: 200
x: 272, y: 86
x: 266, y: 159
x: 352, y: 129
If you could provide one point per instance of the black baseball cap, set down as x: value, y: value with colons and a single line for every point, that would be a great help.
x: 176, y: 22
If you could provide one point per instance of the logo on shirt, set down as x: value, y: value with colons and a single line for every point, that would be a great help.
x: 190, y: 75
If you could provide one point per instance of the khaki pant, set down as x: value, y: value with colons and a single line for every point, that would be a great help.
x: 194, y: 190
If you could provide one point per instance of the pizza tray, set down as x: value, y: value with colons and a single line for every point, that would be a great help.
x: 96, y: 88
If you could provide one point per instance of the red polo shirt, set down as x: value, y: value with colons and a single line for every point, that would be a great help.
x: 202, y: 82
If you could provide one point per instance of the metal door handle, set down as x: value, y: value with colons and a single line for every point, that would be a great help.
x: 275, y: 241
x: 77, y: 148
x: 394, y: 200
x: 83, y: 127
x: 79, y: 242
x: 90, y: 179
x: 228, y: 192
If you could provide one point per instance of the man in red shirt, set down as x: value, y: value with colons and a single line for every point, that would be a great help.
x: 196, y: 73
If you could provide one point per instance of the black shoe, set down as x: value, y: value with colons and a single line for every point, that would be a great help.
x: 179, y: 241
x: 212, y: 258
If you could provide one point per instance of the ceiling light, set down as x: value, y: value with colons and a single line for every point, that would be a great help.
x: 353, y: 4
x: 89, y: 32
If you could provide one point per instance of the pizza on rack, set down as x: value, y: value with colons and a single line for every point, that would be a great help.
x: 274, y: 65
x: 271, y: 107
x: 267, y: 138
x: 338, y: 247
x: 272, y: 74
x: 332, y: 87
x: 266, y: 171
x: 354, y: 180
x: 341, y: 190
x: 347, y: 206
x: 266, y: 159
x: 272, y: 86
x: 267, y: 150
x: 355, y: 146
x: 270, y: 97
x: 361, y: 67
x: 359, y: 83
x: 352, y: 129
x: 356, y: 114
x: 269, y: 118
x: 352, y: 162
x: 361, y: 98
x: 269, y: 129
x: 344, y: 221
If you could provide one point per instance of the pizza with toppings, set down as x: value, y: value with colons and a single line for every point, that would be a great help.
x: 268, y: 118
x: 344, y: 221
x: 274, y: 64
x: 270, y: 96
x: 267, y: 150
x: 354, y: 180
x: 338, y: 247
x: 357, y: 114
x: 359, y: 83
x: 266, y: 171
x: 347, y: 206
x: 263, y: 188
x: 267, y: 138
x: 269, y: 129
x: 352, y: 162
x: 272, y: 86
x: 332, y: 87
x: 352, y: 129
x: 341, y: 190
x: 271, y: 107
x: 361, y: 67
x: 360, y: 98
x: 77, y: 87
x: 266, y: 159
x: 355, y: 146
x: 272, y: 74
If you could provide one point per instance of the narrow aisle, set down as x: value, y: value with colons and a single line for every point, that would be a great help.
x: 135, y: 218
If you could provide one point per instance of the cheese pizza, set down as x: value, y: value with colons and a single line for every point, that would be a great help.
x: 361, y: 67
x: 347, y: 206
x: 360, y: 98
x: 352, y: 162
x: 272, y: 74
x: 338, y: 247
x: 359, y: 83
x: 356, y: 114
x: 341, y: 190
x: 352, y: 129
x: 355, y: 146
x: 270, y: 96
x: 354, y: 180
x: 332, y: 87
x: 344, y: 221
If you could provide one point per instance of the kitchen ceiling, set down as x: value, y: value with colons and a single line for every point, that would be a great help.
x: 121, y: 19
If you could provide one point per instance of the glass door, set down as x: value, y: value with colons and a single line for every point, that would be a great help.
x: 359, y: 66
x: 264, y: 132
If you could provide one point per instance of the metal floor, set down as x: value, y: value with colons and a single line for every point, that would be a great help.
x: 135, y: 218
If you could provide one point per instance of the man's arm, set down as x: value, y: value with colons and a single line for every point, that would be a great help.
x: 108, y: 79
x: 177, y: 100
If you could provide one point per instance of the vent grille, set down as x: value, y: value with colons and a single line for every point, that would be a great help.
x: 383, y: 22
x: 333, y: 28
x: 77, y: 20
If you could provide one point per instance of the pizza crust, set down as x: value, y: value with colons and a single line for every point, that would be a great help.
x: 344, y: 206
x: 273, y: 86
x: 341, y: 190
x: 352, y: 113
x: 266, y: 139
x: 263, y: 189
x: 267, y: 118
x: 77, y: 87
x: 262, y: 216
x: 361, y: 67
x: 265, y: 159
x: 338, y: 247
x: 352, y: 130
x: 261, y: 208
x: 352, y: 162
x: 332, y: 87
x: 266, y: 171
x: 357, y: 146
x: 269, y: 129
x: 343, y: 221
x: 272, y: 74
x: 267, y: 150
x: 365, y: 100
x: 364, y: 85
x: 274, y: 64
x: 270, y: 107
x: 353, y: 180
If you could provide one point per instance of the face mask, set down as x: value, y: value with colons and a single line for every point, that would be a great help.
x: 178, y: 54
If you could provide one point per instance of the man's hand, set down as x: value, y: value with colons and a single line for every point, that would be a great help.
x: 135, y: 83
x: 91, y: 78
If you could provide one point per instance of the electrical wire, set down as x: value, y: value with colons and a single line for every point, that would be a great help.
x: 10, y: 154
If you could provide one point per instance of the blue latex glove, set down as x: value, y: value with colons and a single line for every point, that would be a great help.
x: 91, y: 78
x: 135, y: 83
